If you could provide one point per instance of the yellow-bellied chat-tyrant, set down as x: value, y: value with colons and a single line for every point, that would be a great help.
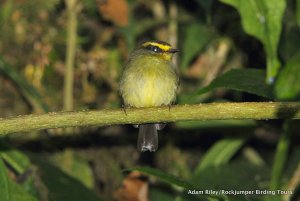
x: 149, y: 79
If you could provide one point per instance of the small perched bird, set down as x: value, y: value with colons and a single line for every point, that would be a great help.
x: 149, y: 79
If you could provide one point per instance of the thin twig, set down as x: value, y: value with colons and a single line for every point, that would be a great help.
x: 70, y: 58
x: 293, y: 183
x: 173, y: 28
x: 281, y: 154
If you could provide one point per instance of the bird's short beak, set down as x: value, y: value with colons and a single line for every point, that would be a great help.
x: 173, y: 50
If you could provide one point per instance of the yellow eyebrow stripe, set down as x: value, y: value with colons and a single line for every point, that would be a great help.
x: 161, y: 46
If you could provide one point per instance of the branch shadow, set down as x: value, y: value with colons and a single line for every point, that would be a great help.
x: 285, y: 111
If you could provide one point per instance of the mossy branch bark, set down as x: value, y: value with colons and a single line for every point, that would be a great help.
x: 211, y: 111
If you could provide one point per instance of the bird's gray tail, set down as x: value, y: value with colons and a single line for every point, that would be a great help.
x: 148, y: 139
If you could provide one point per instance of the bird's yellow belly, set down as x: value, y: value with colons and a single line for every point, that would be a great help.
x: 150, y: 87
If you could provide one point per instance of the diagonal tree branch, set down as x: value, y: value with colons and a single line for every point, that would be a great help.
x: 211, y: 111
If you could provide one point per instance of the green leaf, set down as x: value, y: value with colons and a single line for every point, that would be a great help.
x: 62, y: 187
x: 16, y: 159
x: 287, y: 86
x: 195, y: 38
x: 263, y: 20
x: 245, y: 80
x: 281, y: 155
x: 221, y: 152
x: 171, y: 179
x: 74, y: 166
x: 10, y: 191
x: 29, y: 92
x: 4, y: 184
x: 19, y: 194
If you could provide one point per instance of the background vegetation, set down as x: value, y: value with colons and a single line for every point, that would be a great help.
x: 68, y: 55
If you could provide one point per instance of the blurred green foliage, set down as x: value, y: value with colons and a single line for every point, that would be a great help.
x: 231, y: 50
x: 263, y: 19
x: 253, y: 82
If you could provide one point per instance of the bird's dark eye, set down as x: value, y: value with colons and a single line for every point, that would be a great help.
x: 153, y: 48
